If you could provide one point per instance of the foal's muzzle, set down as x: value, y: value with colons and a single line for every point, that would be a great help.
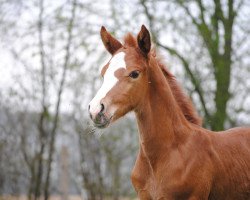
x: 100, y: 119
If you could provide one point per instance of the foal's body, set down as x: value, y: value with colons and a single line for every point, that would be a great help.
x: 178, y: 159
x: 182, y: 160
x: 204, y: 165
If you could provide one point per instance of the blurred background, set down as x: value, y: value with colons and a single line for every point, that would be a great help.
x: 51, y: 55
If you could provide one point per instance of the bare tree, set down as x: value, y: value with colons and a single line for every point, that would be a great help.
x: 58, y: 102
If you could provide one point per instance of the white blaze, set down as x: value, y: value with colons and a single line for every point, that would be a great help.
x: 109, y: 81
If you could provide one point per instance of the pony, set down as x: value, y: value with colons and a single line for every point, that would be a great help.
x: 178, y: 158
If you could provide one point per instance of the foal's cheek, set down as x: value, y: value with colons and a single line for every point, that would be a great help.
x: 120, y: 112
x: 122, y: 99
x: 137, y: 91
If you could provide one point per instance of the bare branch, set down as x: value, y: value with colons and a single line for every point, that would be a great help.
x: 41, y: 50
x: 218, y: 11
x: 59, y: 96
x: 181, y: 3
x: 241, y: 3
x: 150, y: 19
x: 202, y: 27
x: 40, y: 124
x: 202, y: 9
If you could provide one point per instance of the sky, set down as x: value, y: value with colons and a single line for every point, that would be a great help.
x: 6, y: 68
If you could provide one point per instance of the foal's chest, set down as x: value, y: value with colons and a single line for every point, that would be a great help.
x: 148, y: 185
x: 169, y: 182
x: 150, y: 191
x: 145, y: 182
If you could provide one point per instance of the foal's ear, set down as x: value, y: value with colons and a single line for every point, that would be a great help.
x: 110, y: 43
x: 143, y: 40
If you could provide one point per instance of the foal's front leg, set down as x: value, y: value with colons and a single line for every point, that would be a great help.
x: 144, y: 195
x: 140, y: 177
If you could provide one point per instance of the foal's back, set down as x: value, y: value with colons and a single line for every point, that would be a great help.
x: 231, y: 158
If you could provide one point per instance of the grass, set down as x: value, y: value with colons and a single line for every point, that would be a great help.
x: 53, y: 197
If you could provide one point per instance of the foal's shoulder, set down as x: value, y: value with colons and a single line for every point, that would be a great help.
x: 237, y: 131
x: 234, y: 138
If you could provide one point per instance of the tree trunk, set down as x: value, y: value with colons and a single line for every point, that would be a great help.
x: 222, y: 65
x: 222, y: 96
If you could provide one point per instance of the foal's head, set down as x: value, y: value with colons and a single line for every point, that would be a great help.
x: 124, y: 78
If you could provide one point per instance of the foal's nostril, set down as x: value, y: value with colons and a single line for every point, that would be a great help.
x: 89, y: 107
x: 102, y: 107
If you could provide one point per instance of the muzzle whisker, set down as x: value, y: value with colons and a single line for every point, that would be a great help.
x: 90, y: 127
x: 100, y: 133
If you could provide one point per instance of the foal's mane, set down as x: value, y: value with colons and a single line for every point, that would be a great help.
x: 181, y: 98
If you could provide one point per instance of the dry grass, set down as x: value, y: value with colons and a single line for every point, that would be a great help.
x: 54, y: 197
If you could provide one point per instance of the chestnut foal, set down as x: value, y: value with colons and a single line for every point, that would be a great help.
x: 178, y: 159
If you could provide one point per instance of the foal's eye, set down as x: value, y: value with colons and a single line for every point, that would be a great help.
x: 134, y: 74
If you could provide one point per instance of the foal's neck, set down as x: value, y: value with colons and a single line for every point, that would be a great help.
x: 161, y: 122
